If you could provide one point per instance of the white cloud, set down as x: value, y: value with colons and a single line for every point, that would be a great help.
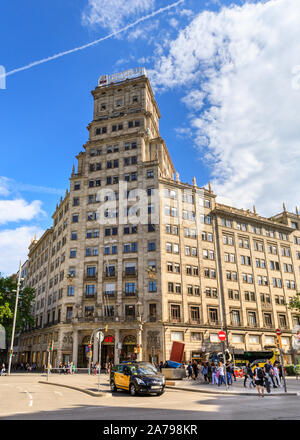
x: 14, y: 247
x: 4, y: 186
x: 112, y: 14
x: 9, y: 186
x: 173, y: 22
x: 241, y: 60
x: 19, y: 209
x: 145, y: 32
x: 194, y: 99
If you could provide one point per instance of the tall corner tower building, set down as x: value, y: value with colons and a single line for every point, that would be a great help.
x: 149, y: 259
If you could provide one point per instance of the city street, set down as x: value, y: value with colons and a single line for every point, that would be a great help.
x: 24, y: 398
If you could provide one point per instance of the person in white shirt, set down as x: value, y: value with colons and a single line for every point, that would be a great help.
x: 276, y: 374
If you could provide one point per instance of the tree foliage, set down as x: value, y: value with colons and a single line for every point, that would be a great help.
x: 8, y: 289
x: 295, y: 303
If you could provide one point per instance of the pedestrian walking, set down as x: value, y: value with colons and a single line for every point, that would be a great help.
x: 204, y: 371
x: 214, y: 374
x: 228, y: 374
x: 220, y: 374
x: 190, y: 370
x: 195, y: 370
x: 276, y: 374
x: 233, y: 372
x: 260, y: 376
x: 248, y: 374
x: 270, y: 372
x: 3, y: 369
x: 161, y: 365
x: 209, y: 374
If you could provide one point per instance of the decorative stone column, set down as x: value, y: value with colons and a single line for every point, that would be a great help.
x: 75, y: 347
x: 59, y: 357
x: 117, y: 340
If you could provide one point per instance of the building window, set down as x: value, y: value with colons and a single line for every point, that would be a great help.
x: 69, y: 313
x: 152, y: 286
x: 89, y: 311
x: 195, y: 315
x: 70, y: 290
x: 196, y: 337
x: 176, y: 336
x: 282, y: 321
x: 268, y: 319
x: 90, y: 290
x: 253, y: 339
x: 235, y: 317
x: 175, y: 313
x: 252, y: 319
x: 213, y: 315
x: 150, y: 174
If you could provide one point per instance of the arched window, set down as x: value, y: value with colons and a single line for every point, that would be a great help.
x: 129, y: 340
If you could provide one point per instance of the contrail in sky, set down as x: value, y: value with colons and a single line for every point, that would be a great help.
x: 93, y: 43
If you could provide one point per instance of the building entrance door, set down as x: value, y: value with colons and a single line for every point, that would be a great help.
x: 107, y: 350
x: 83, y: 353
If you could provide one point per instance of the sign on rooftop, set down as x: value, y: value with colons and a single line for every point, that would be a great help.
x: 104, y: 80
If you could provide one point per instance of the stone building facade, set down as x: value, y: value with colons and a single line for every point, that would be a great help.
x: 150, y: 259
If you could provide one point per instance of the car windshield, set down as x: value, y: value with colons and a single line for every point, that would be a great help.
x: 144, y: 371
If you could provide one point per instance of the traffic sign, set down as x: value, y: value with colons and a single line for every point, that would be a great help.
x: 100, y: 335
x: 278, y: 331
x: 222, y: 335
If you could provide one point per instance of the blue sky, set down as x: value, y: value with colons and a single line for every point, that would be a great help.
x: 45, y: 109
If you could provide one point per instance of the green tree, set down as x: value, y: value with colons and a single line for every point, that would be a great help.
x: 294, y: 303
x: 8, y: 289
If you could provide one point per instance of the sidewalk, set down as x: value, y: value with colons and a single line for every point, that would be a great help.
x: 237, y: 388
x: 89, y: 385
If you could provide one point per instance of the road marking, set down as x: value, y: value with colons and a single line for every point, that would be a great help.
x: 57, y: 392
x: 30, y: 398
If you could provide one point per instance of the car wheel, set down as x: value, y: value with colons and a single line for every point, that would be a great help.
x: 132, y: 390
x: 160, y: 393
x: 113, y: 386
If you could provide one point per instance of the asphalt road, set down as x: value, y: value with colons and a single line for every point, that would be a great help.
x: 23, y: 398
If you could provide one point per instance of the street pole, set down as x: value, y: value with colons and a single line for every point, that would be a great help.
x: 90, y: 351
x: 224, y: 363
x: 282, y: 367
x: 48, y: 361
x: 99, y: 363
x: 14, y: 321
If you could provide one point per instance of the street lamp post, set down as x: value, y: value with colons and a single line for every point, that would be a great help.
x: 14, y: 321
x: 140, y: 343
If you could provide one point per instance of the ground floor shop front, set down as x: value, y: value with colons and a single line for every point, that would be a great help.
x: 133, y: 341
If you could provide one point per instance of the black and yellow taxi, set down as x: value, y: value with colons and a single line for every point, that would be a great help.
x: 137, y: 379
